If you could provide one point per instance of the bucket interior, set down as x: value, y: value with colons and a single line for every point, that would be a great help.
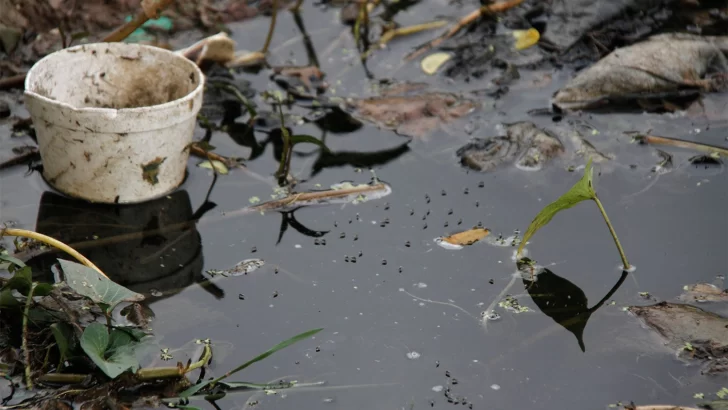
x: 113, y: 75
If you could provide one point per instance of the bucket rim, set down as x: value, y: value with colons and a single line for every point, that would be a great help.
x: 115, y: 111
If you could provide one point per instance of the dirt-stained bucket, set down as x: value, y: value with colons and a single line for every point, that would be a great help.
x: 113, y: 119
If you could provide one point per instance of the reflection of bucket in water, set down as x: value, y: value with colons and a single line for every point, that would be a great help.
x: 145, y: 247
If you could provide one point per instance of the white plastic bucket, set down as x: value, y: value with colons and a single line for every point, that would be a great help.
x: 113, y: 119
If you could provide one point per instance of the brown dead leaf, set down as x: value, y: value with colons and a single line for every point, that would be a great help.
x: 704, y: 292
x: 465, y: 238
x: 411, y: 115
x: 664, y: 64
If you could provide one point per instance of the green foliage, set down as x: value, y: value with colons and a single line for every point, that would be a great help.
x: 100, y: 289
x: 297, y: 139
x: 22, y: 281
x: 194, y: 389
x: 63, y: 334
x: 113, y: 353
x: 13, y: 261
x: 581, y: 191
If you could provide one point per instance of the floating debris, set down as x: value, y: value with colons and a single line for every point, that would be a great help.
x: 662, y: 65
x: 511, y: 304
x: 218, y: 166
x: 342, y: 193
x: 459, y: 240
x: 241, y: 268
x: 413, y: 355
x: 432, y: 63
x: 526, y: 38
x: 703, y: 292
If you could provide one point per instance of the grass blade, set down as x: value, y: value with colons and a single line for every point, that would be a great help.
x: 280, y: 346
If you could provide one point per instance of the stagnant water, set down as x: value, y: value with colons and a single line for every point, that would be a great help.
x: 407, y: 313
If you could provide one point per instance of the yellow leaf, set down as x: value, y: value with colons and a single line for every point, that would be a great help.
x: 466, y: 238
x: 433, y: 62
x: 526, y: 38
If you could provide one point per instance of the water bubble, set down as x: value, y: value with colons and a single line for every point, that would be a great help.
x: 323, y: 241
x: 386, y: 206
x: 413, y: 355
x: 353, y: 259
x: 495, y: 387
x: 420, y: 285
x: 335, y: 224
x: 412, y: 212
x: 454, y: 381
x: 346, y: 259
x: 477, y: 204
x: 460, y: 221
x: 492, y: 316
x: 318, y: 349
x: 275, y: 271
x: 316, y: 242
x: 437, y: 388
x: 447, y: 374
x: 400, y: 269
x: 491, y: 281
x: 328, y: 400
x: 356, y: 237
x: 466, y: 191
x: 425, y: 226
x: 275, y: 294
x: 155, y: 292
x: 361, y: 254
x: 446, y: 224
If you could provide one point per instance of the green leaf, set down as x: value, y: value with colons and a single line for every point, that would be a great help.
x: 12, y: 259
x: 581, y: 191
x: 7, y: 300
x: 63, y: 333
x: 96, y: 341
x: 297, y: 139
x: 194, y: 389
x: 21, y: 280
x: 88, y: 282
x: 42, y: 289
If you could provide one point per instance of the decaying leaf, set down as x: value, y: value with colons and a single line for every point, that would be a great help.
x: 433, y: 62
x: 343, y: 193
x: 462, y: 239
x: 219, y: 166
x: 526, y: 38
x: 241, y: 268
x: 410, y: 115
x: 581, y: 191
x: 663, y: 65
x: 150, y: 170
x: 704, y: 292
x: 300, y: 81
x: 680, y: 324
x: 526, y: 145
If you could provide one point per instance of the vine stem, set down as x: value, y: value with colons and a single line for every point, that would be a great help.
x: 26, y: 352
x: 52, y: 242
x: 272, y: 27
x: 626, y: 264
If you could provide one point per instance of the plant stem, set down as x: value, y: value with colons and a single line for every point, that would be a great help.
x: 155, y: 373
x: 65, y: 378
x: 297, y: 6
x: 626, y: 264
x: 52, y: 242
x: 271, y: 28
x: 26, y: 352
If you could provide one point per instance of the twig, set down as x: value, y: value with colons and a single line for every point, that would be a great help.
x: 310, y: 196
x: 12, y: 82
x: 150, y: 11
x: 467, y: 20
x: 26, y: 352
x: 65, y: 378
x: 674, y: 142
x: 197, y: 151
x: 52, y: 242
x: 271, y: 28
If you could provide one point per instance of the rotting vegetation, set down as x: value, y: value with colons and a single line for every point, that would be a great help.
x: 66, y: 331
